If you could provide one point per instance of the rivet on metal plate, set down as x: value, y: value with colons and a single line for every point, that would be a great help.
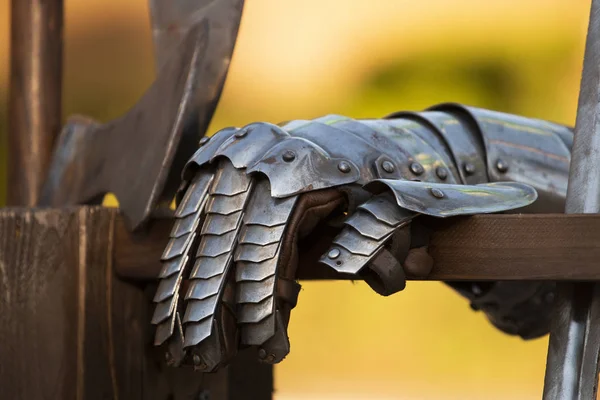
x: 344, y: 167
x: 441, y: 173
x: 501, y: 165
x: 469, y: 168
x: 333, y: 254
x: 437, y: 193
x: 289, y: 156
x: 416, y: 168
x: 388, y: 166
x: 241, y: 133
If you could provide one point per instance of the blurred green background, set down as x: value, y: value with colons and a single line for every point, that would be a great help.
x: 302, y: 59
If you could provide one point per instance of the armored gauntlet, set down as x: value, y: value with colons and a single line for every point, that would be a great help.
x: 250, y: 196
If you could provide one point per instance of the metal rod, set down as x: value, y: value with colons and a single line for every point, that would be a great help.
x: 35, y: 95
x: 572, y: 363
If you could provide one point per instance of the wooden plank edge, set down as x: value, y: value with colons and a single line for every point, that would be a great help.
x: 483, y: 247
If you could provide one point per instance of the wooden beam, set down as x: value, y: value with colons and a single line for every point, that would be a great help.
x: 483, y: 247
x: 523, y: 247
x: 71, y: 329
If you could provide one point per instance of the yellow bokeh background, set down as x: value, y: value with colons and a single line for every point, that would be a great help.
x: 361, y: 58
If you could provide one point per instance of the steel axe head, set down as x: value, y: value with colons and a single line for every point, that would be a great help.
x: 139, y: 156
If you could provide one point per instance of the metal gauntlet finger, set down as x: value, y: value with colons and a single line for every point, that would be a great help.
x: 360, y: 247
x: 176, y: 260
x: 362, y: 243
x: 209, y: 322
x: 257, y: 262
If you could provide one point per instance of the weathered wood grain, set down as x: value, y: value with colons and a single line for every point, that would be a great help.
x: 70, y: 328
x: 39, y: 259
x: 523, y: 247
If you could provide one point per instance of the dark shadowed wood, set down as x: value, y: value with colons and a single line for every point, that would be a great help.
x: 71, y: 329
x: 38, y: 304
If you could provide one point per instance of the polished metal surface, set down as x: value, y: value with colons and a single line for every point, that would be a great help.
x: 154, y: 139
x: 193, y: 199
x: 202, y: 289
x: 253, y: 272
x: 467, y: 150
x: 273, y: 184
x: 445, y: 200
x: 176, y: 260
x: 34, y: 105
x: 173, y: 266
x: 261, y: 235
x: 256, y: 253
x: 373, y: 229
x: 528, y: 151
x: 207, y: 267
x: 198, y: 310
x: 257, y: 264
x: 363, y: 239
x: 253, y: 313
x: 574, y: 349
x: 215, y: 243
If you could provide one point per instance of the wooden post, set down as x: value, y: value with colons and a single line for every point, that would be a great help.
x: 70, y: 329
x: 35, y: 95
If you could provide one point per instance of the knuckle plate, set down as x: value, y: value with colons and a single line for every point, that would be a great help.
x: 245, y: 150
x: 205, y: 153
x: 445, y: 200
x: 310, y: 168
